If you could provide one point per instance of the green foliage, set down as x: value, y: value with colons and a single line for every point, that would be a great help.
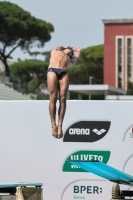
x: 92, y: 55
x: 41, y: 96
x: 130, y: 89
x: 19, y: 28
x: 38, y: 96
x: 91, y: 64
x: 31, y: 73
x: 46, y: 54
x: 75, y: 95
x: 19, y: 24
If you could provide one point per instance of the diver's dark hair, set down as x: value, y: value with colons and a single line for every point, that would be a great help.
x: 73, y: 50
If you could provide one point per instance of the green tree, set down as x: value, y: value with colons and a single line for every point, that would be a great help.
x: 19, y: 29
x: 130, y: 89
x: 90, y: 64
x: 92, y: 55
x: 31, y: 73
x: 46, y: 54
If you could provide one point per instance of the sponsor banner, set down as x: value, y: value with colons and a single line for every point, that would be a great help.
x: 88, y: 189
x: 131, y: 132
x: 105, y: 128
x: 87, y: 131
x: 127, y: 166
x: 102, y: 156
x: 128, y: 137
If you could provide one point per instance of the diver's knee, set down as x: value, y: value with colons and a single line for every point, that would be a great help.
x: 53, y: 97
x: 63, y: 99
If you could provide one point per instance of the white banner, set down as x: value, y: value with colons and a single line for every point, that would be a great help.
x: 98, y: 130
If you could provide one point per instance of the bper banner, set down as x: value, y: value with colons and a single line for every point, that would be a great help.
x: 93, y: 130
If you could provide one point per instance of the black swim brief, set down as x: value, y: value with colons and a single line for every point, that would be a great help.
x: 59, y: 72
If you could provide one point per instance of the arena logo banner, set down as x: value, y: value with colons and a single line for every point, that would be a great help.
x: 87, y: 131
x: 102, y: 156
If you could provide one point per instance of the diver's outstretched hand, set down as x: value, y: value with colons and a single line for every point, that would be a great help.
x: 77, y: 49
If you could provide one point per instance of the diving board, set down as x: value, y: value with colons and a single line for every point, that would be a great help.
x: 109, y: 173
x: 11, y: 188
x: 19, y: 184
x: 105, y: 171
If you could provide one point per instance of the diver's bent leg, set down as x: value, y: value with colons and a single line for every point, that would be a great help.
x: 63, y: 88
x: 62, y: 109
x: 52, y: 108
x: 52, y: 83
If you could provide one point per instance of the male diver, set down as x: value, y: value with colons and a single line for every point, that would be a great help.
x: 58, y: 82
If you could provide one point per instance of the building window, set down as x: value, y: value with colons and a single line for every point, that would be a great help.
x: 129, y: 60
x: 119, y: 61
x: 119, y: 82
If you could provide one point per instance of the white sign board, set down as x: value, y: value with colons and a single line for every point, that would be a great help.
x: 99, y: 130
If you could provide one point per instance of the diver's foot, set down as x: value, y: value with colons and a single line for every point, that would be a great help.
x: 60, y: 132
x: 55, y: 131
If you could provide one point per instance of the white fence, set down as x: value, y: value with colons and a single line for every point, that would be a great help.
x: 93, y: 130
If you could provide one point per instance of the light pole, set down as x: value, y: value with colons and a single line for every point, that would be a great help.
x: 90, y: 82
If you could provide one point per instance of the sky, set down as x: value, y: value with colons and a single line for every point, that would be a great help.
x: 76, y: 22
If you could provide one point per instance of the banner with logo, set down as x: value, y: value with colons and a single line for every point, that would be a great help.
x: 93, y: 130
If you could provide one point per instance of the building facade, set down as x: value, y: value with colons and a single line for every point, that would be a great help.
x: 118, y: 52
